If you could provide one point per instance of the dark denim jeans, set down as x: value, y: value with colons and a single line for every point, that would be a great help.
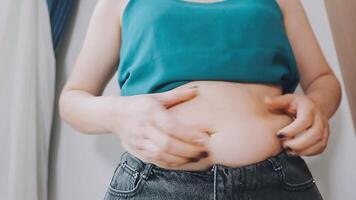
x: 280, y: 177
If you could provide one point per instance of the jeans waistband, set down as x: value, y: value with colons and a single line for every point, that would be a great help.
x: 276, y: 162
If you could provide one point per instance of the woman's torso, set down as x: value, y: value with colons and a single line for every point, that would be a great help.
x: 243, y: 129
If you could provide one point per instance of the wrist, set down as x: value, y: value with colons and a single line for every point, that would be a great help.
x: 315, y: 98
x: 115, y: 110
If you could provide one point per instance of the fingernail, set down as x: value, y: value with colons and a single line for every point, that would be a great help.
x: 194, y: 159
x: 193, y: 87
x: 203, y: 154
x: 280, y: 135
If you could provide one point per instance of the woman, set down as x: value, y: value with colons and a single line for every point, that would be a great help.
x: 207, y: 109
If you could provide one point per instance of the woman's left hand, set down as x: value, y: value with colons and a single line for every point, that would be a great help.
x: 308, y: 134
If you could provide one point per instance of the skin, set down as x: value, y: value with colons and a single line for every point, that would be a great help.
x: 322, y: 92
x: 147, y: 130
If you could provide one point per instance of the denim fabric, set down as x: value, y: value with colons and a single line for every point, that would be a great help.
x: 280, y: 177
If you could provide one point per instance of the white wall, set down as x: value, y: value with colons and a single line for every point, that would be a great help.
x: 81, y: 165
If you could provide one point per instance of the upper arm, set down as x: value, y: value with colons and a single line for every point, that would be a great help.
x: 309, y: 57
x: 99, y: 56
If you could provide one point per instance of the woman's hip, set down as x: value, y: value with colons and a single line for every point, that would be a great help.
x: 278, y: 177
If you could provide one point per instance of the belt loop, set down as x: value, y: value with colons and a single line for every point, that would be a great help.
x: 123, y: 156
x: 147, y: 171
x: 276, y: 164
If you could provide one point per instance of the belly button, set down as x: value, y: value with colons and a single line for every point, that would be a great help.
x: 209, y: 132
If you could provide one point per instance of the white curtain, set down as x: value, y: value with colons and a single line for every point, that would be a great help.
x: 27, y: 78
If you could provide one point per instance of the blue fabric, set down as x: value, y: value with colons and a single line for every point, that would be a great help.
x: 59, y: 11
x: 277, y: 177
x: 167, y: 43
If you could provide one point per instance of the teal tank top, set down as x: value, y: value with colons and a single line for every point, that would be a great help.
x: 167, y: 43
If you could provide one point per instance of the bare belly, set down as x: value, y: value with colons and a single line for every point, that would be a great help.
x: 243, y: 129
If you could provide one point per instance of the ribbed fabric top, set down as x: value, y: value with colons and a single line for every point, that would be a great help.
x: 167, y: 43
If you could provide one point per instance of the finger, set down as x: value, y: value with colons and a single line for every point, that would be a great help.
x: 303, y: 120
x: 278, y: 102
x: 148, y: 153
x: 319, y: 147
x: 153, y: 153
x: 308, y: 138
x: 176, y: 147
x: 170, y: 126
x: 174, y: 97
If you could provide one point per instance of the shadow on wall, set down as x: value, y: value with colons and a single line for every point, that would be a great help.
x: 107, y: 147
x: 56, y: 128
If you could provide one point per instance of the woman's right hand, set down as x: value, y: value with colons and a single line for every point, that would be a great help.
x: 148, y: 131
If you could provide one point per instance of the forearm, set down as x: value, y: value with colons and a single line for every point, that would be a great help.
x: 87, y: 113
x: 326, y: 92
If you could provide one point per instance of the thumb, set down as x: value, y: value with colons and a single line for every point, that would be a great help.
x: 174, y: 97
x: 278, y: 102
